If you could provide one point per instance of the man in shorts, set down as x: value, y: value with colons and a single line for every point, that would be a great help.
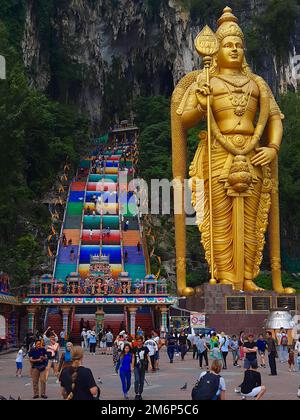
x: 109, y: 342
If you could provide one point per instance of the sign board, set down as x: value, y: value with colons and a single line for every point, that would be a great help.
x: 198, y: 320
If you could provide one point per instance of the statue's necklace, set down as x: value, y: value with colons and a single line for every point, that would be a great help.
x: 239, y: 98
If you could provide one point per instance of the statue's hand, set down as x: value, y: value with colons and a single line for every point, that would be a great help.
x: 264, y: 157
x: 202, y: 92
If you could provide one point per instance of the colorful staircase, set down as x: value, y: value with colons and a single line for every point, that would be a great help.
x: 93, y: 206
x: 72, y: 226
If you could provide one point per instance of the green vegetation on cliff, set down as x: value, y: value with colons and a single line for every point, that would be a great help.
x: 36, y: 137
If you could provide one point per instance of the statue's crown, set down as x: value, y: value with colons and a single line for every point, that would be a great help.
x: 228, y: 25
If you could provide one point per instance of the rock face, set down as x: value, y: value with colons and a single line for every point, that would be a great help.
x: 94, y: 52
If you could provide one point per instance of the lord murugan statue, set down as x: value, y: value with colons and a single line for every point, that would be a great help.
x: 237, y: 159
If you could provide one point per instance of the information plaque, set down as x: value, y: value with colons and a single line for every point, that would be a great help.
x: 261, y: 303
x: 286, y: 302
x: 236, y: 303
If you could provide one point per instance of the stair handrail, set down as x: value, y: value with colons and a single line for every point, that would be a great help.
x: 62, y: 229
x: 82, y: 218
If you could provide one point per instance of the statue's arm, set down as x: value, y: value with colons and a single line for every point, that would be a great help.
x: 192, y: 113
x: 275, y: 131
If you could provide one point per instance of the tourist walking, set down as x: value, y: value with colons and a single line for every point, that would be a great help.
x: 65, y: 360
x: 252, y: 386
x: 234, y: 345
x: 139, y: 366
x: 291, y: 360
x: 78, y: 382
x: 283, y: 342
x: 93, y: 343
x: 84, y: 343
x: 19, y: 361
x: 261, y: 346
x: 62, y: 335
x: 109, y: 342
x: 153, y: 348
x: 272, y: 352
x: 250, y: 351
x: 171, y: 346
x: 182, y: 341
x: 38, y: 359
x: 202, y: 350
x: 241, y: 344
x: 52, y: 350
x: 124, y: 367
x: 224, y: 347
x: 193, y: 340
x: 157, y: 339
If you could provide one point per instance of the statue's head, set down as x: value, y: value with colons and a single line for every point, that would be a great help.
x: 231, y: 39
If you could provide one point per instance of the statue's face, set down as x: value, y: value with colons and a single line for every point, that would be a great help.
x: 231, y: 53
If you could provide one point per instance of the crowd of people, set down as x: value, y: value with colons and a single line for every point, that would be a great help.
x: 136, y: 355
x: 139, y: 354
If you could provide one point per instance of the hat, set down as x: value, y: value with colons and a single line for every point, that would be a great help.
x: 93, y: 333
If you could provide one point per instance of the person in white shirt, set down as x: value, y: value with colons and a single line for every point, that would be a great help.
x: 282, y: 341
x: 153, y: 348
x: 157, y: 339
x: 84, y: 339
x: 62, y: 338
x: 19, y: 362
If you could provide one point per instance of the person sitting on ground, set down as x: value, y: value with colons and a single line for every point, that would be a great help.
x: 252, y: 387
x: 77, y: 382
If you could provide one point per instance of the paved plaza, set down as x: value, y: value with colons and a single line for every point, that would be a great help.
x: 162, y: 385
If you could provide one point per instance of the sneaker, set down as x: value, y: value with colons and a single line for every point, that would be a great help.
x: 126, y: 397
x: 44, y: 397
x: 171, y: 361
x: 137, y: 397
x: 35, y: 397
x: 237, y: 391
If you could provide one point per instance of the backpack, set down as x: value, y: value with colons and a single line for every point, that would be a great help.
x: 206, y: 388
x: 284, y: 341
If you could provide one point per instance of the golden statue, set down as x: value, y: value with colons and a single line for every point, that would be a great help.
x: 236, y: 158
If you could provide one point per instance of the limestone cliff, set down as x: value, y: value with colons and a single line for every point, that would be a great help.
x: 97, y: 54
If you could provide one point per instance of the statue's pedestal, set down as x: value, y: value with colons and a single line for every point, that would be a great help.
x: 231, y: 311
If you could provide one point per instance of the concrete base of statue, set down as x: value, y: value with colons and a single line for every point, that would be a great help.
x: 232, y: 311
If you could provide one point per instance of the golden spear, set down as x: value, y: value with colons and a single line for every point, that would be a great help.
x: 207, y: 46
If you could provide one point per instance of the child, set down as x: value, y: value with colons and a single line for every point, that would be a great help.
x: 216, y: 352
x: 291, y: 360
x: 19, y: 362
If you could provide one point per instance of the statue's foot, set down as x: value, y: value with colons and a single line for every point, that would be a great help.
x: 285, y: 291
x: 250, y: 286
x: 226, y: 282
